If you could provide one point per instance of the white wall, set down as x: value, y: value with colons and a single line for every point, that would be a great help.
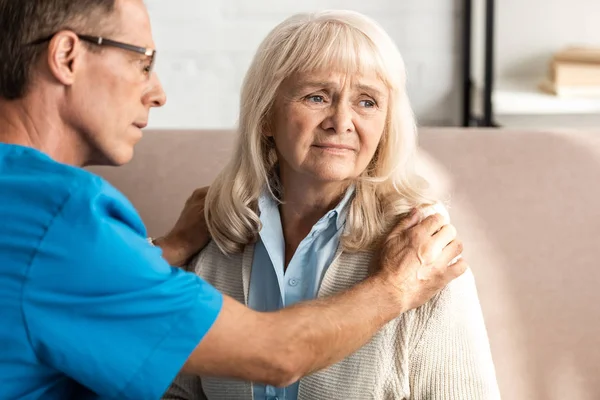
x: 528, y: 32
x: 205, y: 47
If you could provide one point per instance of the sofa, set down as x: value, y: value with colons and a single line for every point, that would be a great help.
x: 525, y: 203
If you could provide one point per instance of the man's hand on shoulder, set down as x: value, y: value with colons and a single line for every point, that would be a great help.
x: 190, y: 233
x: 420, y: 256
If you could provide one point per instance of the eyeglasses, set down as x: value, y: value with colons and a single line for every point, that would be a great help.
x: 100, y: 41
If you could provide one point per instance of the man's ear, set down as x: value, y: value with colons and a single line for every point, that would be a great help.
x: 63, y: 52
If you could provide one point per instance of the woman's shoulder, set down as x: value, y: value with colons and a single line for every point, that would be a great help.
x: 228, y: 273
x: 436, y: 208
x: 364, y: 255
x: 212, y: 257
x: 458, y: 301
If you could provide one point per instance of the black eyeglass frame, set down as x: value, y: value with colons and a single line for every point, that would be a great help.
x: 102, y: 41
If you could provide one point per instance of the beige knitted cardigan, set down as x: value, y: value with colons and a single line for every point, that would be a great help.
x: 438, y: 351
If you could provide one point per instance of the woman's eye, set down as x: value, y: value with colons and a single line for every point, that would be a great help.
x: 147, y: 68
x: 316, y: 99
x: 367, y: 103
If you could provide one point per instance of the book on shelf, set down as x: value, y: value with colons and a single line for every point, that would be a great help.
x: 575, y: 74
x: 578, y: 54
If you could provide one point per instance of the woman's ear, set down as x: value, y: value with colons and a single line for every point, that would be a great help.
x: 267, y: 126
x: 267, y: 131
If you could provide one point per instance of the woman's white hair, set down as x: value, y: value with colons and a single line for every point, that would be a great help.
x: 341, y: 41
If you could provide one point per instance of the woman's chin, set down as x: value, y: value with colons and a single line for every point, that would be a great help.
x: 337, y: 176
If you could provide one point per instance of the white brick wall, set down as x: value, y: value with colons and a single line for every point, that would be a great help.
x: 205, y: 47
x: 528, y: 34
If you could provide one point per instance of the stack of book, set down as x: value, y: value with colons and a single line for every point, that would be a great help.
x: 574, y: 71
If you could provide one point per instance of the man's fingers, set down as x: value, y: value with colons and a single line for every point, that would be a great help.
x: 449, y: 253
x: 433, y: 223
x: 432, y: 249
x: 457, y: 269
x: 405, y: 223
x: 198, y: 196
x: 201, y: 192
x: 430, y: 224
x: 444, y: 236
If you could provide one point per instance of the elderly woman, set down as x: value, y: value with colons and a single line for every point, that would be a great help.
x: 322, y: 169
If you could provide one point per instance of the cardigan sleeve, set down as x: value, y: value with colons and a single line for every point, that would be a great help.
x: 451, y: 358
x: 185, y: 387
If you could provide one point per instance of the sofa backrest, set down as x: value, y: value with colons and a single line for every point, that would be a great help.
x: 526, y: 204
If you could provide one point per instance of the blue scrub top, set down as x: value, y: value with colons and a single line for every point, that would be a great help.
x: 88, y: 308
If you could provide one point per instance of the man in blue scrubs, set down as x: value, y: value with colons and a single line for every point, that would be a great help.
x: 90, y: 309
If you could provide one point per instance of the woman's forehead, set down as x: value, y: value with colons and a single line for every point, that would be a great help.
x: 337, y: 79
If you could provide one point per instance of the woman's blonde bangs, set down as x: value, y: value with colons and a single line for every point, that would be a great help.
x: 330, y: 45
